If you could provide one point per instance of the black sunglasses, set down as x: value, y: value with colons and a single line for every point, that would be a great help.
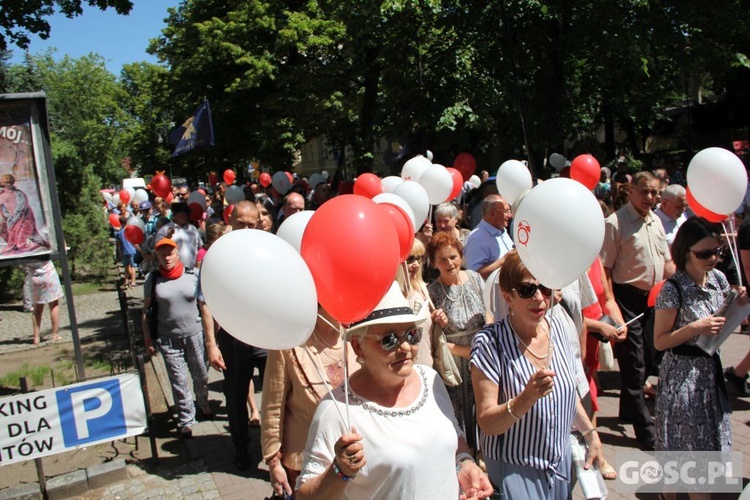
x: 390, y: 341
x: 707, y: 254
x: 414, y: 258
x: 526, y: 290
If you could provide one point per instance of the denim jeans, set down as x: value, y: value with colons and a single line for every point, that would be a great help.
x: 183, y: 354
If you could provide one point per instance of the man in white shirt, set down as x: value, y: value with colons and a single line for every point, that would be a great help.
x: 671, y: 210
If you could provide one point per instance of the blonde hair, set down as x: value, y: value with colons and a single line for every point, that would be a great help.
x: 417, y: 282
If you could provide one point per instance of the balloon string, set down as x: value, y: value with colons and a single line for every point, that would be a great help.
x: 346, y: 378
x: 429, y: 217
x: 732, y: 244
x: 325, y: 383
x: 325, y: 320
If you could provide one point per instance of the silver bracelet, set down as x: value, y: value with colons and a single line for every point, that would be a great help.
x: 510, y: 412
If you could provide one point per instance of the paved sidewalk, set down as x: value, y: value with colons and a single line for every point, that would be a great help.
x: 202, y: 467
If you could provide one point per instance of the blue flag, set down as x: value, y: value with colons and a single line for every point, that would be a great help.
x: 196, y: 132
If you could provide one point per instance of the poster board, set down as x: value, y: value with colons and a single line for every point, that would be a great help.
x: 27, y: 228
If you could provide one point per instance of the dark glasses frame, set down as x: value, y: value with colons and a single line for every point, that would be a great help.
x: 707, y: 254
x: 414, y: 258
x: 390, y: 341
x: 527, y: 290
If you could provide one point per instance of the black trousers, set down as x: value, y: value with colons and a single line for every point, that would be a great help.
x: 631, y: 356
x: 241, y: 360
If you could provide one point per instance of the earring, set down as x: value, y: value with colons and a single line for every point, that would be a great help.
x: 360, y: 360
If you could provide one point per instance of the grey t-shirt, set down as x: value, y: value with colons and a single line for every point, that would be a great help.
x: 178, y: 311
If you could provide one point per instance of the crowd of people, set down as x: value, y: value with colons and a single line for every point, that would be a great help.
x: 526, y: 366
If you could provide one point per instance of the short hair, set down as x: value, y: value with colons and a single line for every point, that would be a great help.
x: 490, y: 200
x: 643, y: 175
x: 513, y: 272
x: 447, y: 208
x: 443, y: 240
x: 7, y: 179
x: 673, y: 192
x: 691, y: 232
x: 243, y: 205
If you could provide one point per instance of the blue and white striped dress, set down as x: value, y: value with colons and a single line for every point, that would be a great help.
x: 540, y: 439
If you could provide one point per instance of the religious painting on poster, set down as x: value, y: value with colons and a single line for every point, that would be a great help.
x: 25, y: 207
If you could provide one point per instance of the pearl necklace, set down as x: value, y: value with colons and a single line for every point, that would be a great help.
x: 460, y: 288
x: 372, y: 408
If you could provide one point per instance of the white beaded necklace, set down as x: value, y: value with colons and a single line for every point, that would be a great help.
x: 460, y: 288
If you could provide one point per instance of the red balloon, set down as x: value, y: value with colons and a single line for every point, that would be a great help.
x: 651, y: 301
x: 265, y: 179
x: 466, y: 164
x: 458, y: 182
x: 565, y: 172
x: 161, y: 185
x: 586, y: 170
x: 114, y: 221
x: 134, y: 234
x: 290, y: 176
x: 213, y: 179
x: 352, y: 249
x: 229, y: 176
x: 702, y: 211
x: 404, y: 229
x: 368, y: 185
x: 124, y: 196
x: 148, y: 187
x: 228, y: 213
x: 201, y: 191
x: 196, y: 211
x: 169, y: 198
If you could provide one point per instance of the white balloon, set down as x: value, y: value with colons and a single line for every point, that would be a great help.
x: 557, y: 161
x: 324, y: 173
x: 417, y: 198
x: 281, y: 182
x: 389, y: 183
x: 131, y: 192
x: 273, y: 315
x: 428, y: 154
x: 293, y: 228
x: 717, y: 179
x: 234, y: 194
x: 414, y: 168
x: 475, y: 181
x: 493, y: 297
x: 559, y: 230
x: 200, y: 199
x: 107, y: 197
x: 513, y: 178
x: 468, y: 187
x: 116, y: 199
x: 316, y: 179
x: 140, y: 195
x: 438, y: 183
x: 136, y: 221
x: 401, y: 203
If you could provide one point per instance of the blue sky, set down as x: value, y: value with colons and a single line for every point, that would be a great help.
x: 119, y: 39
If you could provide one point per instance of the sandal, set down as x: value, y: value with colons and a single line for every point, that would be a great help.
x: 608, y: 472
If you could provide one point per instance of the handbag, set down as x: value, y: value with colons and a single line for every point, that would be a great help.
x: 443, y: 361
x: 606, y: 357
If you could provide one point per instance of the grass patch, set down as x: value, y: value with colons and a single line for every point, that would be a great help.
x: 34, y: 374
x: 86, y: 287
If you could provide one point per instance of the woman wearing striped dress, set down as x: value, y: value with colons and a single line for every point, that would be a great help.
x: 525, y: 390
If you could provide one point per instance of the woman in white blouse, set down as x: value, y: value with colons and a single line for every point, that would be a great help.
x: 404, y: 441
